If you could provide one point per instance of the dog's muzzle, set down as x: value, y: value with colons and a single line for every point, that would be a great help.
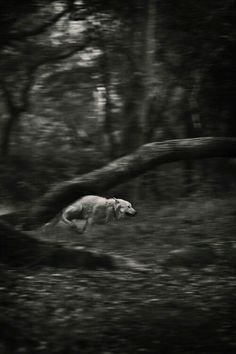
x: 131, y: 212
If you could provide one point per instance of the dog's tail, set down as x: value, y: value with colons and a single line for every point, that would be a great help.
x: 64, y: 219
x: 54, y: 221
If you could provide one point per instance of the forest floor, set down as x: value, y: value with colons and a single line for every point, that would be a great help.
x: 183, y: 303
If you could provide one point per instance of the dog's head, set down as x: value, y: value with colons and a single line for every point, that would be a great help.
x: 123, y: 208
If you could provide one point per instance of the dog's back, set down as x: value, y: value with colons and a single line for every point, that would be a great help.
x: 84, y: 207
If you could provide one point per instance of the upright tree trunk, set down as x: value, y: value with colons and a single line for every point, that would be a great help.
x: 146, y: 104
x: 137, y: 125
x: 133, y: 87
x: 148, y: 71
x: 15, y: 109
x: 108, y: 130
x: 132, y: 131
x: 7, y: 133
x: 193, y: 126
x: 14, y: 113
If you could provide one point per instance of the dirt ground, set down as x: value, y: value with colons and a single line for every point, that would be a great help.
x: 183, y: 301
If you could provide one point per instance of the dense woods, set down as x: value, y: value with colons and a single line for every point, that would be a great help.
x: 83, y: 83
x: 134, y: 99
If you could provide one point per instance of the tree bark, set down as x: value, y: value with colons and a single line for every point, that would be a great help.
x: 107, y: 125
x: 15, y: 110
x: 21, y: 250
x: 7, y: 132
x: 143, y: 159
x: 149, y: 71
x: 132, y: 136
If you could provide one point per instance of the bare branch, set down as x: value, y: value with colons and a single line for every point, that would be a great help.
x: 38, y: 30
x: 61, y: 56
x: 30, y: 76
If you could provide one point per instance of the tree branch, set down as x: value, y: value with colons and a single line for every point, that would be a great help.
x: 14, y: 109
x: 55, y: 56
x: 31, y: 75
x: 21, y: 250
x: 39, y: 29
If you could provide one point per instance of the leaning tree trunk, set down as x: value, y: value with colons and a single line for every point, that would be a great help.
x: 21, y: 250
x: 145, y: 158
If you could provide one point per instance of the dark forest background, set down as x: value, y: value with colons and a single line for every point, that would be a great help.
x: 84, y: 83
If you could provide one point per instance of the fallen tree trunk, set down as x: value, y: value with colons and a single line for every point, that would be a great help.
x: 24, y: 251
x: 124, y: 168
x: 21, y: 250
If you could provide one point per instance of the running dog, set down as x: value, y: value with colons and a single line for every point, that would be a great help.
x: 95, y: 210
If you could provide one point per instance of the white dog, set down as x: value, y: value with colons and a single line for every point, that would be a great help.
x: 95, y: 210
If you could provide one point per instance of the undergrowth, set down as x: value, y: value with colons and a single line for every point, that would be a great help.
x: 183, y: 304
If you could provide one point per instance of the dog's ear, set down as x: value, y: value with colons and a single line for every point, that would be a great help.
x: 115, y: 203
x: 117, y: 208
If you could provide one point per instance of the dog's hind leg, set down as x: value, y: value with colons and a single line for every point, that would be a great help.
x: 49, y: 227
x: 76, y: 225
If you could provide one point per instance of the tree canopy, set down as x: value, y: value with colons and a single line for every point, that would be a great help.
x: 95, y: 80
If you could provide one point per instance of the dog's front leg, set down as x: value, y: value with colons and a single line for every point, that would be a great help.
x: 76, y: 226
x: 79, y: 227
x: 87, y: 229
x: 88, y: 225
